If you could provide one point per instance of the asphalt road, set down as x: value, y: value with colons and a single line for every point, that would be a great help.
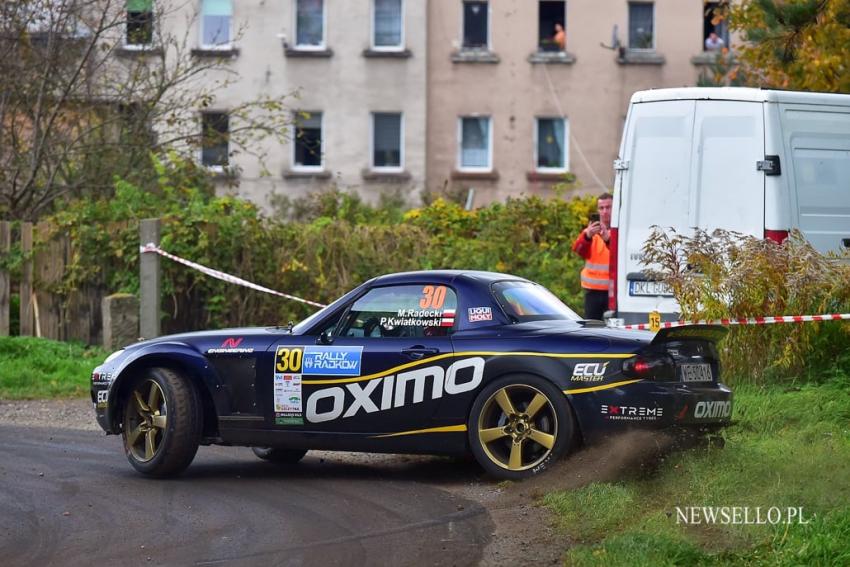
x: 69, y: 497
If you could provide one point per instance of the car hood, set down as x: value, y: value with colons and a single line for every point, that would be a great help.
x: 251, y: 337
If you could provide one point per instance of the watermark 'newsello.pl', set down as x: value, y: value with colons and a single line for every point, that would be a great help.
x: 740, y: 515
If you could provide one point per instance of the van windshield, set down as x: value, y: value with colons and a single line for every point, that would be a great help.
x: 527, y: 301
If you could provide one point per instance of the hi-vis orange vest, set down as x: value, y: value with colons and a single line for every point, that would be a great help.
x: 595, y: 254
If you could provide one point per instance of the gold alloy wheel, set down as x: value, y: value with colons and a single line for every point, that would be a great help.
x: 517, y: 427
x: 146, y: 416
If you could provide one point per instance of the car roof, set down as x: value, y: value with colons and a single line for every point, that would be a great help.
x: 740, y: 94
x: 443, y: 276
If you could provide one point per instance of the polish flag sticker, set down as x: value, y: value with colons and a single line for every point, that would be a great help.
x: 448, y: 319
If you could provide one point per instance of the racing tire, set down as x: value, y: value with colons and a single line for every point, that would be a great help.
x: 279, y: 456
x: 162, y: 423
x: 520, y: 425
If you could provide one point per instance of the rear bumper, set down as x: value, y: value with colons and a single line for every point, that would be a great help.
x: 654, y: 405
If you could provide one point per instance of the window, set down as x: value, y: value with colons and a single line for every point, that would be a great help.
x: 552, y: 26
x: 139, y: 22
x: 475, y: 25
x: 215, y: 23
x: 476, y: 143
x: 711, y: 23
x: 310, y: 24
x: 388, y: 25
x: 386, y: 141
x: 402, y: 311
x: 215, y: 130
x: 552, y: 144
x: 527, y: 301
x: 641, y: 16
x: 308, y: 140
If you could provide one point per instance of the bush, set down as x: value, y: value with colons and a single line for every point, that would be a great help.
x: 339, y: 243
x: 726, y: 274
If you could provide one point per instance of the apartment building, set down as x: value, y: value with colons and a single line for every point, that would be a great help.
x: 357, y: 72
x: 500, y: 96
x: 522, y: 91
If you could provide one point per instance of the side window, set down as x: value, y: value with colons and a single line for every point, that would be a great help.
x: 402, y: 311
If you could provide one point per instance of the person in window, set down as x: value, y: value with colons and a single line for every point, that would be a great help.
x: 560, y: 37
x: 592, y: 245
x: 714, y: 42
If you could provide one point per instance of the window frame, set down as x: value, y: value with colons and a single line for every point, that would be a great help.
x: 565, y: 146
x: 654, y: 29
x: 125, y: 45
x: 489, y: 46
x: 475, y: 169
x: 386, y: 169
x: 539, y: 45
x: 390, y: 48
x: 217, y: 46
x: 216, y: 168
x: 309, y: 168
x: 304, y: 47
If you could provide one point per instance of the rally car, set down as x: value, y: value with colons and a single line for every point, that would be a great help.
x: 441, y: 362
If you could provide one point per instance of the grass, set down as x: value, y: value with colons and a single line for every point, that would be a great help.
x: 32, y: 368
x: 790, y: 447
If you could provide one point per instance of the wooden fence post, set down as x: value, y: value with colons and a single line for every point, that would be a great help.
x: 149, y: 281
x: 27, y: 313
x: 5, y: 284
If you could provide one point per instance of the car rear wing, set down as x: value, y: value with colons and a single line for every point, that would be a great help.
x: 712, y: 333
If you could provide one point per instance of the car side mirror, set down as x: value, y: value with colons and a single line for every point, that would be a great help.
x: 326, y: 338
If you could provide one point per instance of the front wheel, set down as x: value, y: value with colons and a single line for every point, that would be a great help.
x: 519, y: 425
x: 162, y: 423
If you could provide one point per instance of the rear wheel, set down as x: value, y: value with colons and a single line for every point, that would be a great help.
x: 279, y: 456
x: 162, y: 423
x: 519, y: 425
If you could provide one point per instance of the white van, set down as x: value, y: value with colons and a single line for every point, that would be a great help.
x: 759, y: 162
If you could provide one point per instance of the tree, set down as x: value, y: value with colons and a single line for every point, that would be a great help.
x: 91, y: 88
x: 795, y: 44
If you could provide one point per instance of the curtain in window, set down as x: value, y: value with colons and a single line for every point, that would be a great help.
x: 550, y: 142
x: 640, y: 25
x: 387, y: 140
x: 310, y: 22
x: 140, y: 5
x: 216, y: 21
x: 388, y: 23
x: 475, y: 142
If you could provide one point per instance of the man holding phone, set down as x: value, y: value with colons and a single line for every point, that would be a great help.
x: 592, y: 245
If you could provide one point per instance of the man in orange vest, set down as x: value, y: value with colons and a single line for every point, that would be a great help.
x: 592, y: 245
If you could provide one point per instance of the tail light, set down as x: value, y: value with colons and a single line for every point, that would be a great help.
x: 659, y: 367
x: 612, y: 269
x: 778, y: 236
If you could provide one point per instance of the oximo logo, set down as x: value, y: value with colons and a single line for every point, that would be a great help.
x: 389, y: 392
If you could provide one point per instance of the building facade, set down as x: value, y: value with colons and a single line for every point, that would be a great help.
x: 500, y: 96
x: 521, y: 92
x: 356, y: 73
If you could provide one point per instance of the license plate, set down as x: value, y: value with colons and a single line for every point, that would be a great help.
x: 654, y: 289
x: 696, y: 373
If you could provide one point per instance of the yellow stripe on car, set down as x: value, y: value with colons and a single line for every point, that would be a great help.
x: 460, y: 354
x: 443, y: 429
x: 601, y: 387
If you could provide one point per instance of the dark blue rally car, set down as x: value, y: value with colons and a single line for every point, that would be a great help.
x: 442, y: 362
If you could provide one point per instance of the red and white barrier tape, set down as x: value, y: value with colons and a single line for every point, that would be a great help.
x: 743, y: 321
x: 153, y: 248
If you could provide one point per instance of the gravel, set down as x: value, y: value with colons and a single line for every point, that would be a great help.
x: 76, y: 413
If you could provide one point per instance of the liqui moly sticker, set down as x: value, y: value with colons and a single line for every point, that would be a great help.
x: 478, y: 314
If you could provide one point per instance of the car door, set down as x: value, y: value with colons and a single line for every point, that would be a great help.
x: 379, y: 369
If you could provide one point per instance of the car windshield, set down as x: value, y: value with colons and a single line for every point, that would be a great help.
x: 527, y: 301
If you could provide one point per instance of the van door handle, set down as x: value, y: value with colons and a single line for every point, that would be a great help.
x: 419, y: 352
x: 845, y: 242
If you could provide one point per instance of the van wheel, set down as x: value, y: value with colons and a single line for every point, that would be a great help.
x: 519, y: 425
x: 279, y: 456
x: 162, y: 423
